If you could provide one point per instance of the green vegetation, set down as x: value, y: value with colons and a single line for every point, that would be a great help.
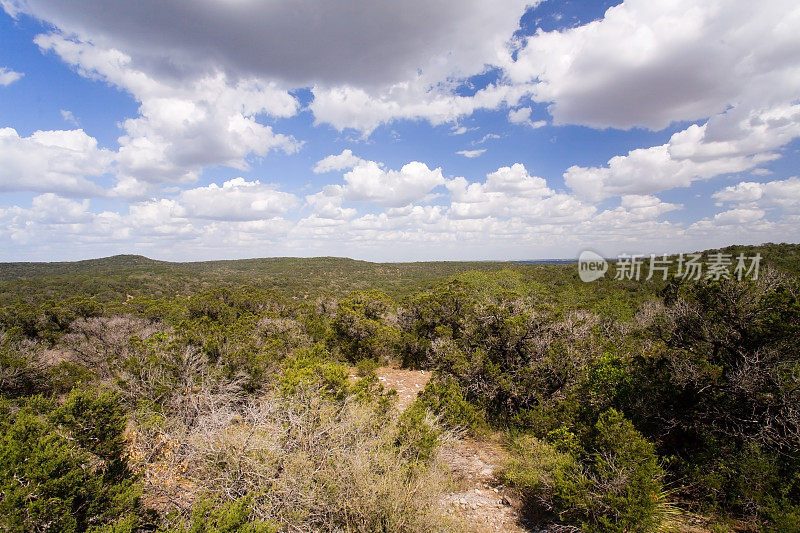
x: 62, y: 467
x: 609, y: 480
x: 230, y: 396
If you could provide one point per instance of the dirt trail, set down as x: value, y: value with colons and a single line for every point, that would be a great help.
x: 407, y: 383
x: 480, y: 499
x: 485, y: 503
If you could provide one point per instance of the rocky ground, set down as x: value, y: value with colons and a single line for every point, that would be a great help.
x: 480, y: 499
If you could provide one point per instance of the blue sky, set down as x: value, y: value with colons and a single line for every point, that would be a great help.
x: 407, y: 131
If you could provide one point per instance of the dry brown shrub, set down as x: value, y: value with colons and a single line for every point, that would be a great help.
x: 308, y: 463
x: 95, y: 341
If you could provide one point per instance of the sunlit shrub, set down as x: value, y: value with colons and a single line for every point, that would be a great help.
x: 63, y: 467
x: 609, y: 483
x: 445, y: 399
x: 361, y: 328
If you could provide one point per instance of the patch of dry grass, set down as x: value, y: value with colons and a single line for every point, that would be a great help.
x: 308, y: 463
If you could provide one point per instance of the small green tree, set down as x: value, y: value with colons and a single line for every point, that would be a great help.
x: 361, y: 329
x: 608, y: 482
x: 63, y: 468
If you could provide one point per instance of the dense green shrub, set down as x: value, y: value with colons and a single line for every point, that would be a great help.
x: 540, y: 471
x: 444, y: 398
x: 63, y: 468
x: 212, y: 516
x: 67, y: 375
x: 417, y: 434
x: 610, y: 482
x: 366, y: 367
x: 310, y: 370
x: 719, y: 391
x: 49, y: 320
x: 361, y: 328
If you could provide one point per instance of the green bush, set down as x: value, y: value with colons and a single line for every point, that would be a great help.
x: 444, y: 398
x: 310, y: 370
x: 360, y: 328
x: 66, y: 376
x: 96, y: 420
x: 366, y: 367
x: 417, y: 434
x: 625, y: 469
x: 540, y: 472
x: 718, y: 392
x: 210, y: 516
x: 611, y: 482
x: 62, y: 468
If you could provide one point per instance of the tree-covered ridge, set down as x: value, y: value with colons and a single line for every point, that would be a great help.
x: 212, y: 399
x: 114, y: 278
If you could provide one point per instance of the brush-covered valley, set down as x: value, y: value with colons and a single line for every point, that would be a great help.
x: 331, y: 395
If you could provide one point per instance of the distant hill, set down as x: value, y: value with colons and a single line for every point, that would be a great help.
x: 122, y: 276
x: 9, y: 271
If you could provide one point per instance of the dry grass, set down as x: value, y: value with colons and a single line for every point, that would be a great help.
x: 308, y: 463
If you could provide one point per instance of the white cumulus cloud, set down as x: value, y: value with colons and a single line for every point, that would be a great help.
x: 732, y: 142
x: 8, y: 76
x: 523, y: 116
x: 513, y: 192
x: 57, y: 161
x: 653, y: 62
x: 370, y: 181
x: 236, y: 199
x: 337, y: 162
x: 183, y: 125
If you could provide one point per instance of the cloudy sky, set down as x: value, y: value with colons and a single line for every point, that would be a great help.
x: 411, y: 130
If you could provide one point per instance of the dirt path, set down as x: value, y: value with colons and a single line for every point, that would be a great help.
x: 479, y: 498
x: 485, y: 503
x: 407, y: 383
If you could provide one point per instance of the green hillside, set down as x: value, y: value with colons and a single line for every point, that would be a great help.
x: 140, y: 395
